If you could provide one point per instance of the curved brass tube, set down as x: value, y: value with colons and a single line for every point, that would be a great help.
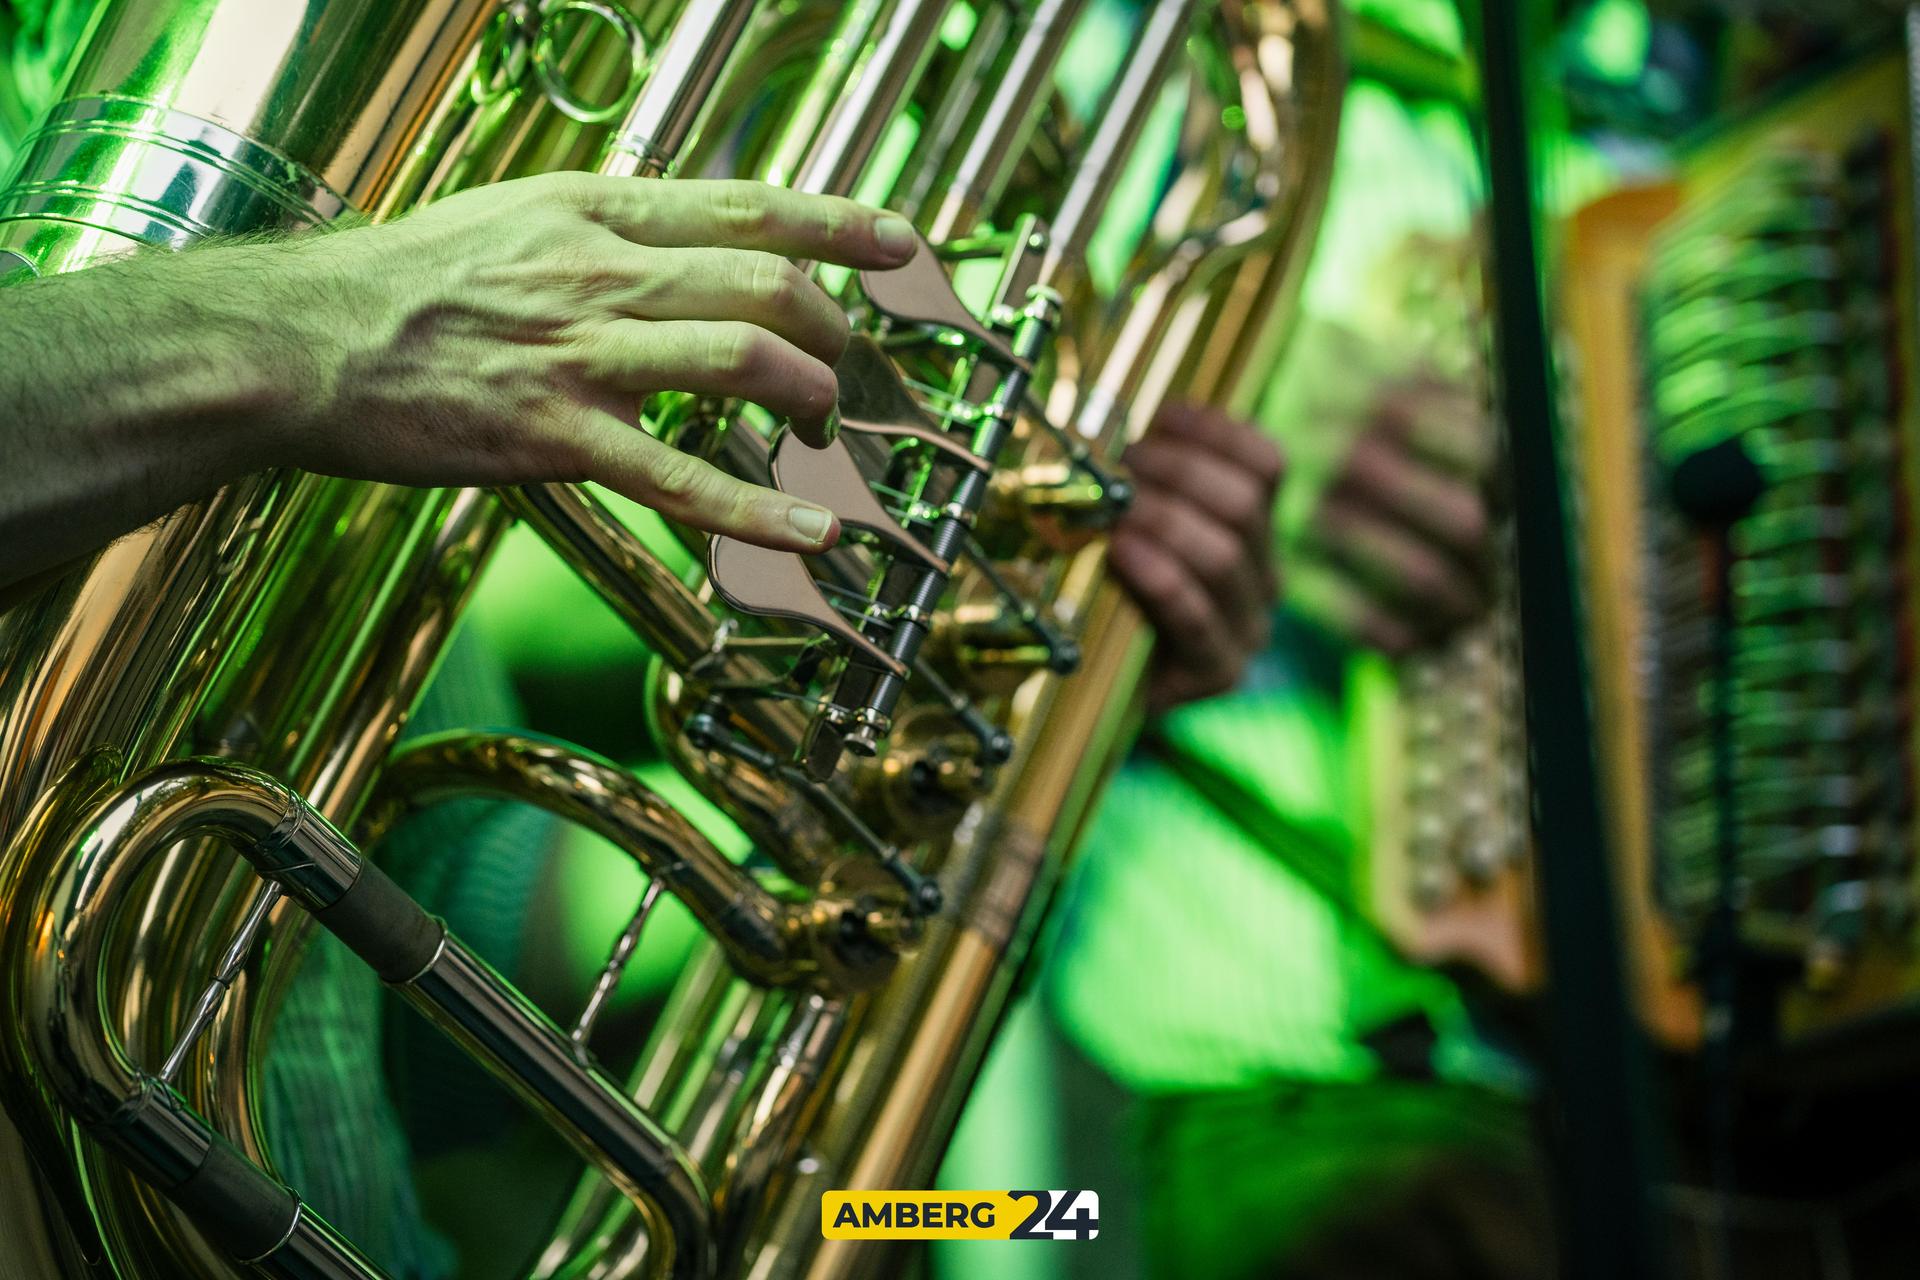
x: 768, y: 940
x: 87, y: 1068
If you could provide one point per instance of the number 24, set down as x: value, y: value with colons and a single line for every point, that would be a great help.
x: 1050, y: 1219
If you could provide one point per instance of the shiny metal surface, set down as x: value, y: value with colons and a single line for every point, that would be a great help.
x: 829, y: 1034
x: 540, y: 1063
x: 88, y: 1068
x: 156, y: 175
x: 679, y: 91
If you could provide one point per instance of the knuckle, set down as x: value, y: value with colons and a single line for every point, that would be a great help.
x: 582, y: 262
x: 1241, y: 505
x: 560, y: 454
x: 1267, y: 460
x: 674, y: 481
x: 741, y: 208
x: 838, y: 221
x: 774, y: 282
x: 734, y: 351
x: 575, y: 192
x: 1425, y: 576
x: 1217, y: 557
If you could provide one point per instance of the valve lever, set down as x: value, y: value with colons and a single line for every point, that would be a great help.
x: 874, y: 401
x: 830, y: 478
x: 1063, y: 655
x: 776, y: 584
x: 918, y: 291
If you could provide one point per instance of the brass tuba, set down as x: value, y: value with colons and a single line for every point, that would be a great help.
x: 197, y: 725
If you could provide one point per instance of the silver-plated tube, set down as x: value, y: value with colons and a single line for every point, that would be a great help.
x: 459, y: 993
x: 678, y: 90
x: 956, y: 117
x: 230, y: 962
x: 1006, y: 125
x: 840, y: 55
x: 1125, y: 113
x: 313, y: 1250
x: 616, y: 965
x: 867, y: 105
x: 87, y: 1066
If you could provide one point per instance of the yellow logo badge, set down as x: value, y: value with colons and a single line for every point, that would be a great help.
x: 960, y: 1215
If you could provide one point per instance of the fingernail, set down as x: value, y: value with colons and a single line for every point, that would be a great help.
x: 812, y: 522
x: 895, y: 235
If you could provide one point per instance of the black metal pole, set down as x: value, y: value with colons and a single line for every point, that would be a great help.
x: 1597, y: 1068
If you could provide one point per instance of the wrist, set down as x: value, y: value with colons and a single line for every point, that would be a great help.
x: 279, y: 359
x: 304, y: 315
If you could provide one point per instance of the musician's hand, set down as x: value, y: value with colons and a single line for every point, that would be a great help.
x: 1397, y: 554
x: 502, y: 336
x: 508, y: 334
x: 1195, y: 549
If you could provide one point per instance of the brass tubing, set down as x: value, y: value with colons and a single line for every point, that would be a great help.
x: 75, y: 916
x: 956, y: 118
x: 541, y: 1064
x: 596, y: 1236
x: 771, y: 1130
x: 580, y: 528
x: 339, y: 86
x: 844, y: 51
x: 865, y: 106
x: 1005, y: 127
x: 1122, y: 116
x: 924, y: 1035
x: 766, y: 939
x: 678, y: 92
x: 611, y: 559
x: 181, y: 120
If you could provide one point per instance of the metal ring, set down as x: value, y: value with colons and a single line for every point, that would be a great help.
x: 554, y: 84
x: 499, y: 59
x: 16, y: 266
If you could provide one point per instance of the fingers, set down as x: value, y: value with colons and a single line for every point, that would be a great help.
x: 1219, y: 433
x: 735, y: 284
x: 747, y: 215
x: 685, y: 489
x: 1440, y: 422
x: 1425, y: 587
x: 1183, y: 616
x: 715, y: 358
x: 1212, y: 555
x: 1440, y: 507
x: 1234, y: 496
x: 1195, y: 548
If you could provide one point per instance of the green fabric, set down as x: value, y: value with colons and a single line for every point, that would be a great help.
x: 1237, y: 967
x: 1214, y: 885
x: 343, y: 1130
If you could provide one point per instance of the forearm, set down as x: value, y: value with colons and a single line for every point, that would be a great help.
x: 504, y: 335
x: 131, y: 388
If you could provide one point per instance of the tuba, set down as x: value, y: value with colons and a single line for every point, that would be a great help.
x: 198, y: 724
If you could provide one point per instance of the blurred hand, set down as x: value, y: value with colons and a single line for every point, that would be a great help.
x: 1397, y: 554
x: 1195, y: 548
